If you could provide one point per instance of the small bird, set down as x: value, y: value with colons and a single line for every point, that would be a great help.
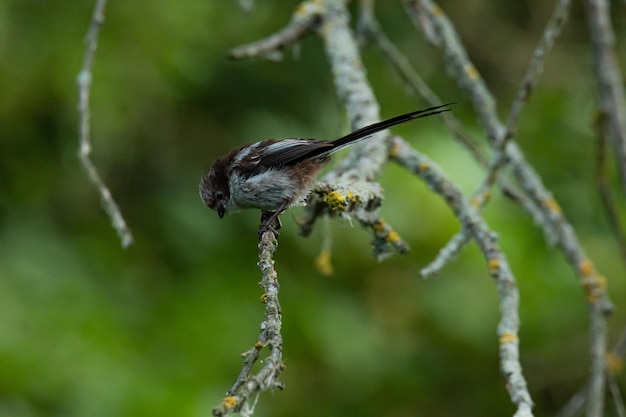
x: 272, y: 175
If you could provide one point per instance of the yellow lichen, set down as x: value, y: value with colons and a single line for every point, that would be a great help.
x: 472, y: 72
x: 308, y: 7
x: 230, y: 402
x: 324, y: 264
x: 494, y: 266
x: 508, y: 338
x: 335, y: 201
x: 352, y: 198
x: 552, y: 205
x: 586, y: 267
x: 394, y: 151
x: 594, y: 287
x: 379, y: 226
x: 393, y: 236
x: 614, y: 363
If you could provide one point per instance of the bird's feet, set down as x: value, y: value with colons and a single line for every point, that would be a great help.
x: 269, y: 223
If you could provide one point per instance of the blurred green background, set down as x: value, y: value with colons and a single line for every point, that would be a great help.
x: 90, y: 329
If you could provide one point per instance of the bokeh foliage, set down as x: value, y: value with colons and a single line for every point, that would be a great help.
x: 89, y: 329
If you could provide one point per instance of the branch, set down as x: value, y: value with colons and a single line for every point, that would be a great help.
x: 370, y: 29
x: 481, y: 195
x: 497, y: 263
x: 84, y: 87
x: 248, y: 386
x: 302, y: 23
x: 615, y: 361
x: 554, y: 222
x: 361, y: 200
x: 551, y: 32
x: 610, y: 81
x: 366, y: 159
x: 606, y: 195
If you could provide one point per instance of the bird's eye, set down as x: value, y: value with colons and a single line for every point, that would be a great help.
x: 219, y: 195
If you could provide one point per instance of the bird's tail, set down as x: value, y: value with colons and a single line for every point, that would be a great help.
x: 368, y: 131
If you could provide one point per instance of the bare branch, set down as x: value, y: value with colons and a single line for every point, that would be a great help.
x: 551, y: 32
x: 614, y: 364
x: 610, y: 81
x: 302, y: 23
x: 606, y: 195
x: 246, y: 5
x: 84, y: 87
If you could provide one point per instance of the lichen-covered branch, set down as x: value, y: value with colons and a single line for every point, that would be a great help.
x: 248, y: 385
x: 349, y: 189
x: 497, y: 264
x: 553, y: 222
x: 361, y: 200
x: 440, y: 30
x: 481, y: 195
x: 366, y: 159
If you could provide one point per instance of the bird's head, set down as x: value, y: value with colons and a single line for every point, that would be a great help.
x: 214, y: 190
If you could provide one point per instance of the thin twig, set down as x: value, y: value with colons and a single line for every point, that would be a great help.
x: 597, y: 378
x: 578, y: 400
x: 552, y: 31
x: 84, y: 80
x: 610, y: 81
x: 302, y: 24
x: 618, y: 399
x: 606, y: 195
x: 370, y: 29
x: 575, y: 404
x: 615, y: 363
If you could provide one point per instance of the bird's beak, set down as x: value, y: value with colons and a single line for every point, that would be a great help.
x: 221, y: 210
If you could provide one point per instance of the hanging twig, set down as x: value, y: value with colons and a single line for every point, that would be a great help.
x: 84, y: 87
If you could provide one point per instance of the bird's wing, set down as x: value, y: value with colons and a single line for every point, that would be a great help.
x: 290, y: 151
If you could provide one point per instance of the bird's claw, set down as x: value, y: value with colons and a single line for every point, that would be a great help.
x: 269, y: 223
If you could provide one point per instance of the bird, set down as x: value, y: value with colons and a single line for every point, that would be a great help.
x: 272, y: 175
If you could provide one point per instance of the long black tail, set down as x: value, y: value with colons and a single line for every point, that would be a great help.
x: 367, y: 131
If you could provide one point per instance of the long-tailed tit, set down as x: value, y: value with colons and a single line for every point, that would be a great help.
x: 272, y: 174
